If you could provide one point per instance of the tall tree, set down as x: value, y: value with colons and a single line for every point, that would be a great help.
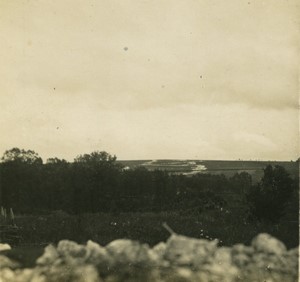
x: 21, y: 179
x: 268, y: 199
x: 22, y: 156
x: 95, y: 181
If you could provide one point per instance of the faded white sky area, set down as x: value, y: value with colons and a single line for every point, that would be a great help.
x: 150, y: 79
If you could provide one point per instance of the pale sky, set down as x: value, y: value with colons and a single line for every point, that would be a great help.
x: 184, y: 79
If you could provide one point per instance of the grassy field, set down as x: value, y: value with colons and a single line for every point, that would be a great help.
x: 229, y: 227
x: 225, y: 226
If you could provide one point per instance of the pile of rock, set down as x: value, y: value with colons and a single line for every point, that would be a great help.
x: 179, y: 259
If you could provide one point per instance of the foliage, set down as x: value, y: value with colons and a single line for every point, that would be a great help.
x: 96, y: 182
x: 230, y: 228
x: 96, y: 157
x: 268, y: 199
x: 21, y: 156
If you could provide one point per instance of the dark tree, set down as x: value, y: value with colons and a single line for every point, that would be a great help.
x: 268, y: 199
x: 21, y: 156
x: 56, y: 161
x: 94, y: 181
x: 21, y: 179
x: 56, y: 185
x: 97, y: 158
x: 241, y: 182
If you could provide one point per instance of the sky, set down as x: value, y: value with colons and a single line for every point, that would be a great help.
x: 157, y: 79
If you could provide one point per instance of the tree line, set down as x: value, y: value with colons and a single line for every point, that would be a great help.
x: 96, y: 182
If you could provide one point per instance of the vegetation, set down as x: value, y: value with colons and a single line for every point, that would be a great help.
x: 97, y: 183
x: 268, y: 199
x: 229, y: 227
x: 96, y: 198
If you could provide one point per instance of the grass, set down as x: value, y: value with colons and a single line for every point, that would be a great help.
x: 228, y: 228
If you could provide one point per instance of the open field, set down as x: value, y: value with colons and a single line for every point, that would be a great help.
x: 228, y: 168
x: 147, y: 227
x: 228, y: 227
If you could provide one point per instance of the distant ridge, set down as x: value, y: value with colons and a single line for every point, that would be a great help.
x: 228, y: 168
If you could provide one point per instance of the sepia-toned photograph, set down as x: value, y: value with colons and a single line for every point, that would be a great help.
x: 149, y: 140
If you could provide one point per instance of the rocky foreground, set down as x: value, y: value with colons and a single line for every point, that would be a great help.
x: 180, y: 259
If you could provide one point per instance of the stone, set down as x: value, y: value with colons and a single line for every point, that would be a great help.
x: 4, y: 247
x: 265, y: 243
x: 5, y: 262
x: 184, y: 251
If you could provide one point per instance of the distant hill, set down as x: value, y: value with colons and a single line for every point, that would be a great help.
x: 228, y: 168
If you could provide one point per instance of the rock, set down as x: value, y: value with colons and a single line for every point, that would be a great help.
x: 241, y: 255
x: 184, y: 251
x: 134, y: 275
x: 157, y: 255
x: 240, y: 248
x: 260, y: 260
x: 99, y: 257
x: 68, y: 248
x: 74, y: 273
x: 70, y: 262
x: 180, y: 259
x: 4, y: 247
x: 267, y: 244
x: 222, y: 256
x: 290, y: 262
x: 49, y: 256
x: 5, y: 262
x: 220, y: 266
x: 218, y: 272
x: 240, y: 260
x: 129, y: 253
x: 66, y: 252
x: 97, y: 253
x: 294, y: 252
x: 180, y: 274
x: 160, y: 249
x: 7, y: 275
x: 21, y: 275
